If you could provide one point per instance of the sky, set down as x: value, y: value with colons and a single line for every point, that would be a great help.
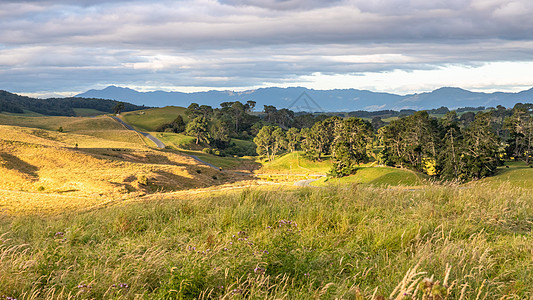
x: 64, y: 47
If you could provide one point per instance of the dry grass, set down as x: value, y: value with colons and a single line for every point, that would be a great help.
x: 47, y: 165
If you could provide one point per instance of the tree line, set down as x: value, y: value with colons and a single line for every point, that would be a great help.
x: 454, y: 147
x: 14, y: 103
x: 215, y: 127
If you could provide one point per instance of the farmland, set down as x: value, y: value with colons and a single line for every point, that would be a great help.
x: 93, y: 211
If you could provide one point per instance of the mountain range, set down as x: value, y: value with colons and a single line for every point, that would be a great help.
x: 303, y: 99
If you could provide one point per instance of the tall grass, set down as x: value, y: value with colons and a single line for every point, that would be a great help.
x: 344, y: 242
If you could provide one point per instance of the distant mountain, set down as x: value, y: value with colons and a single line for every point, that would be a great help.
x: 303, y: 99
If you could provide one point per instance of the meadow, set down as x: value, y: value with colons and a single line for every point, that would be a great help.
x: 345, y: 242
x: 93, y: 212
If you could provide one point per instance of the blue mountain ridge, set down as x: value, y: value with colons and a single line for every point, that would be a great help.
x: 304, y: 99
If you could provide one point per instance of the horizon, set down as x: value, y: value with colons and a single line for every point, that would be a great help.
x: 74, y: 94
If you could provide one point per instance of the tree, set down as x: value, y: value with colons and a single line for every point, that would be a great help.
x: 118, y: 108
x: 249, y: 106
x: 293, y: 139
x: 480, y: 155
x: 197, y: 128
x: 193, y: 111
x: 269, y: 111
x: 449, y: 159
x: 318, y: 139
x: 520, y: 126
x: 238, y: 111
x: 219, y: 135
x: 178, y: 124
x: 353, y: 136
x: 269, y: 141
x: 377, y: 123
x: 410, y: 141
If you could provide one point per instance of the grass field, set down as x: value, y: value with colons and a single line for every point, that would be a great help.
x: 342, y: 242
x: 87, y: 132
x: 514, y: 173
x: 92, y: 161
x: 150, y: 119
x: 377, y: 176
x: 88, y: 112
x: 92, y: 213
x: 177, y: 140
x: 295, y: 163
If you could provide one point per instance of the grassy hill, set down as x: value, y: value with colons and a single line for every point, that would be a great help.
x: 17, y: 104
x: 377, y: 176
x: 150, y: 119
x: 77, y: 130
x: 295, y: 163
x: 514, y: 173
x: 95, y: 159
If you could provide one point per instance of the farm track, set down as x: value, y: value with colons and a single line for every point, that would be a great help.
x: 157, y: 142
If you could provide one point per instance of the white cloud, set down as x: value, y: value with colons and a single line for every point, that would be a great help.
x: 392, y: 45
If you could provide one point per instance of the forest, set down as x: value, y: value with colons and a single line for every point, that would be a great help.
x: 458, y: 145
x: 13, y: 103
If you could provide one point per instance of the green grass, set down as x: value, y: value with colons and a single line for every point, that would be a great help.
x: 518, y: 174
x: 27, y: 113
x: 176, y: 140
x: 77, y: 130
x: 377, y: 176
x: 296, y: 163
x: 88, y: 112
x: 150, y: 119
x: 69, y: 124
x: 299, y: 244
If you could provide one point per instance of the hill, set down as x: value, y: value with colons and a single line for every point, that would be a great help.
x: 92, y: 161
x: 73, y: 106
x: 339, y: 100
x: 150, y: 119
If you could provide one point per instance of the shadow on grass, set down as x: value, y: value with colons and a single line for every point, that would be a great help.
x: 14, y: 163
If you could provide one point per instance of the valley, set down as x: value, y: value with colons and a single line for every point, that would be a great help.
x: 91, y: 209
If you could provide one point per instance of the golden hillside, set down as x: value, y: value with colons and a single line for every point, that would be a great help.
x: 90, y: 163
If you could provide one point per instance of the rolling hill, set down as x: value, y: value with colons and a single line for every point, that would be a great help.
x: 92, y: 161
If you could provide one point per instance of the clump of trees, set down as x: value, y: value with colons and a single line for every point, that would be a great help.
x: 442, y: 147
x: 464, y: 146
x: 215, y: 127
x: 453, y: 147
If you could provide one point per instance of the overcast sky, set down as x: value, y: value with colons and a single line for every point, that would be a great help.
x: 401, y: 46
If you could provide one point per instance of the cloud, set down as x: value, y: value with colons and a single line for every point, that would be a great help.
x: 67, y: 44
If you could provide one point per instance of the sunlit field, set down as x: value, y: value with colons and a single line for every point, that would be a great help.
x: 345, y: 242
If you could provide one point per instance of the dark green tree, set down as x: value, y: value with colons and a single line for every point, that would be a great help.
x: 520, y: 126
x: 118, y: 108
x: 178, y: 124
x: 219, y: 135
x: 319, y: 138
x: 411, y: 141
x: 293, y: 139
x: 269, y: 141
x: 353, y: 140
x: 480, y: 156
x: 449, y: 159
x: 198, y: 128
